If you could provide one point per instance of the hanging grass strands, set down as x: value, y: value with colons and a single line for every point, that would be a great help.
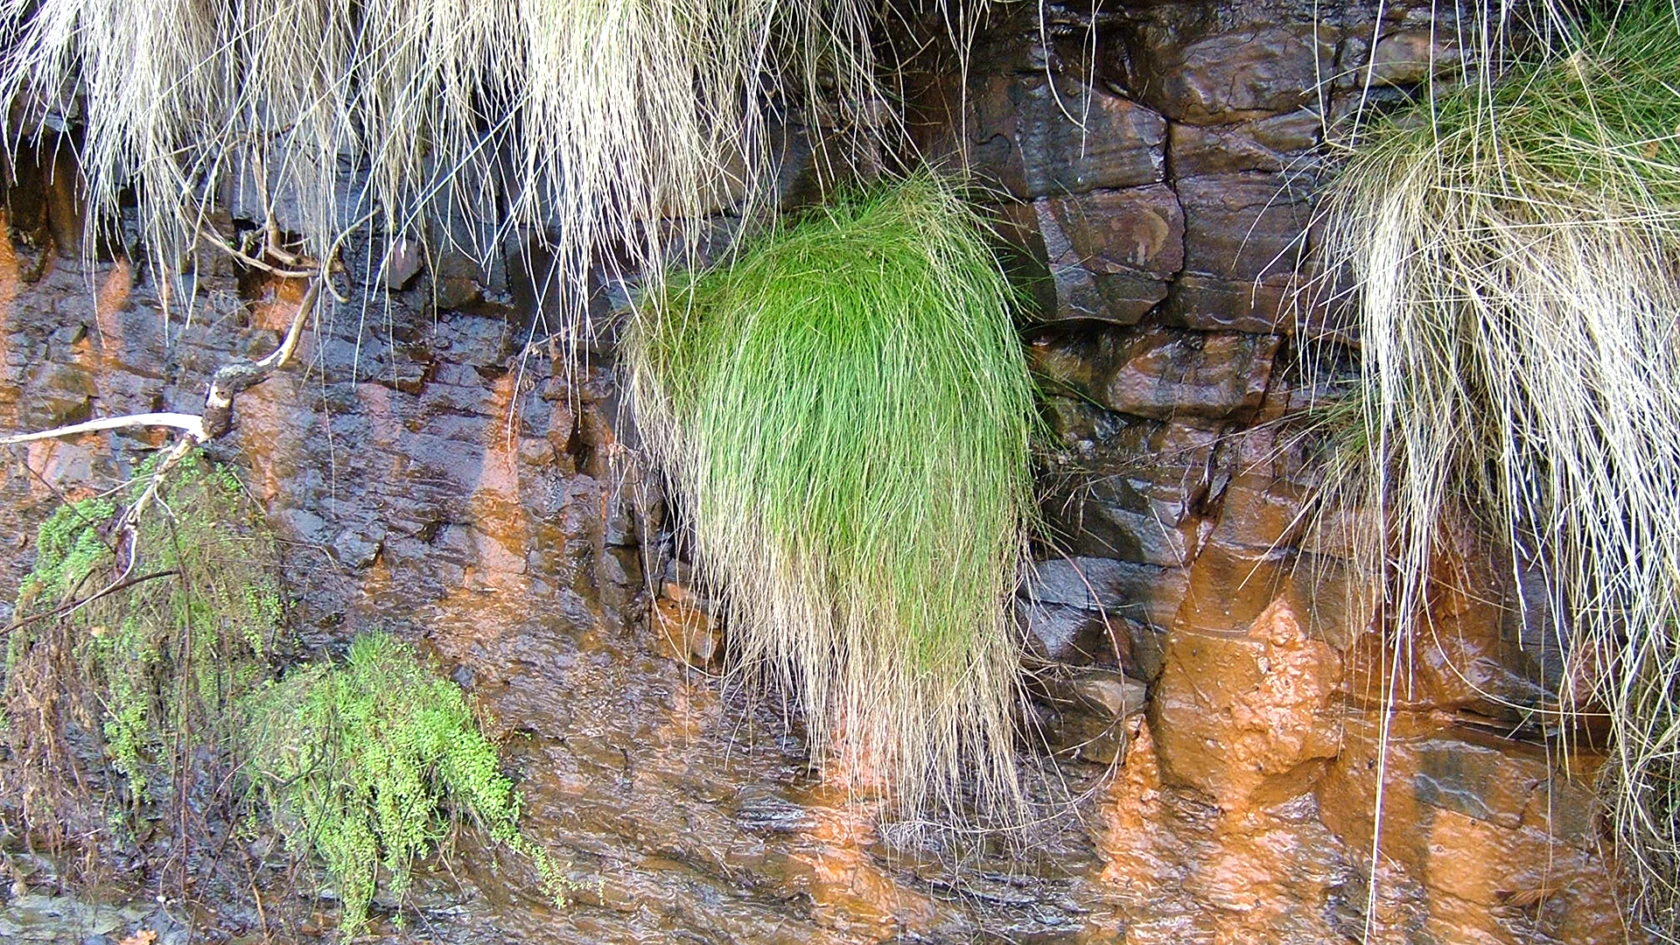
x: 586, y: 123
x: 1514, y: 249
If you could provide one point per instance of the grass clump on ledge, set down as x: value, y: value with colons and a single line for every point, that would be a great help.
x: 366, y: 765
x: 844, y: 411
x: 1513, y: 247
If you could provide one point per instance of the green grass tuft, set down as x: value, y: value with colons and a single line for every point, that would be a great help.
x: 1514, y: 250
x: 845, y: 413
x: 367, y: 764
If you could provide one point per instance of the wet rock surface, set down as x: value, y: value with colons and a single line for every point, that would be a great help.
x: 1205, y: 698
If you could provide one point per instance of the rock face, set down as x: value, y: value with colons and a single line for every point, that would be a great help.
x: 1207, y: 679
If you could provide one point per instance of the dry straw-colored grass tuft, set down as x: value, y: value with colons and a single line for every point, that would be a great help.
x: 844, y: 411
x: 600, y: 123
x: 1514, y: 251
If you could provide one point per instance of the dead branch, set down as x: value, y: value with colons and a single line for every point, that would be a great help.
x: 247, y: 259
x: 241, y: 375
x: 191, y: 425
x: 66, y: 609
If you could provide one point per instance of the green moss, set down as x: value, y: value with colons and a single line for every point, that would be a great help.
x: 68, y: 545
x: 367, y: 764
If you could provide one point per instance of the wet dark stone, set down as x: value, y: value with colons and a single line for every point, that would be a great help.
x: 297, y: 524
x: 1084, y: 431
x: 1104, y: 693
x: 57, y: 394
x: 402, y: 262
x: 457, y: 292
x: 1136, y: 591
x: 1063, y: 634
x: 1243, y: 226
x: 1163, y: 373
x: 1088, y: 710
x: 1275, y: 143
x: 1188, y: 65
x: 1145, y: 495
x: 1411, y: 56
x: 1117, y: 518
x: 1108, y: 254
x: 1211, y: 375
x: 358, y: 549
x: 1255, y: 306
x: 1041, y: 137
x: 1414, y: 42
x: 463, y: 282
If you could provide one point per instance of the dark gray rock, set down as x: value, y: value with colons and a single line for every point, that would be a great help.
x: 1061, y: 634
x: 1138, y: 592
x: 1114, y: 516
x: 402, y: 263
x: 57, y: 394
x: 1164, y: 373
x: 1087, y: 712
x: 1042, y: 137
x: 1243, y: 226
x: 1189, y: 66
x: 1105, y: 693
x: 1255, y: 306
x: 1105, y: 255
x: 1275, y: 143
x: 359, y: 548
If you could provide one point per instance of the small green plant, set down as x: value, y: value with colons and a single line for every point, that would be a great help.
x: 1513, y: 246
x: 367, y: 764
x: 145, y: 635
x: 845, y: 413
x: 67, y: 547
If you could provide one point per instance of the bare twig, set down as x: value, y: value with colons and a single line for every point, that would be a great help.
x: 131, y: 515
x: 73, y: 606
x: 252, y: 261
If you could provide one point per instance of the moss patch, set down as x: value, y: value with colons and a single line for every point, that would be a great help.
x: 368, y: 764
x: 141, y: 638
x: 143, y: 675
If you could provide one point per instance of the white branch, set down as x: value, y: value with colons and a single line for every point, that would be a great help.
x: 193, y: 426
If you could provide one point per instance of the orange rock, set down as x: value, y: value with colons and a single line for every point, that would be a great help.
x: 1500, y: 845
x: 684, y: 632
x: 1247, y: 718
x: 1188, y: 871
